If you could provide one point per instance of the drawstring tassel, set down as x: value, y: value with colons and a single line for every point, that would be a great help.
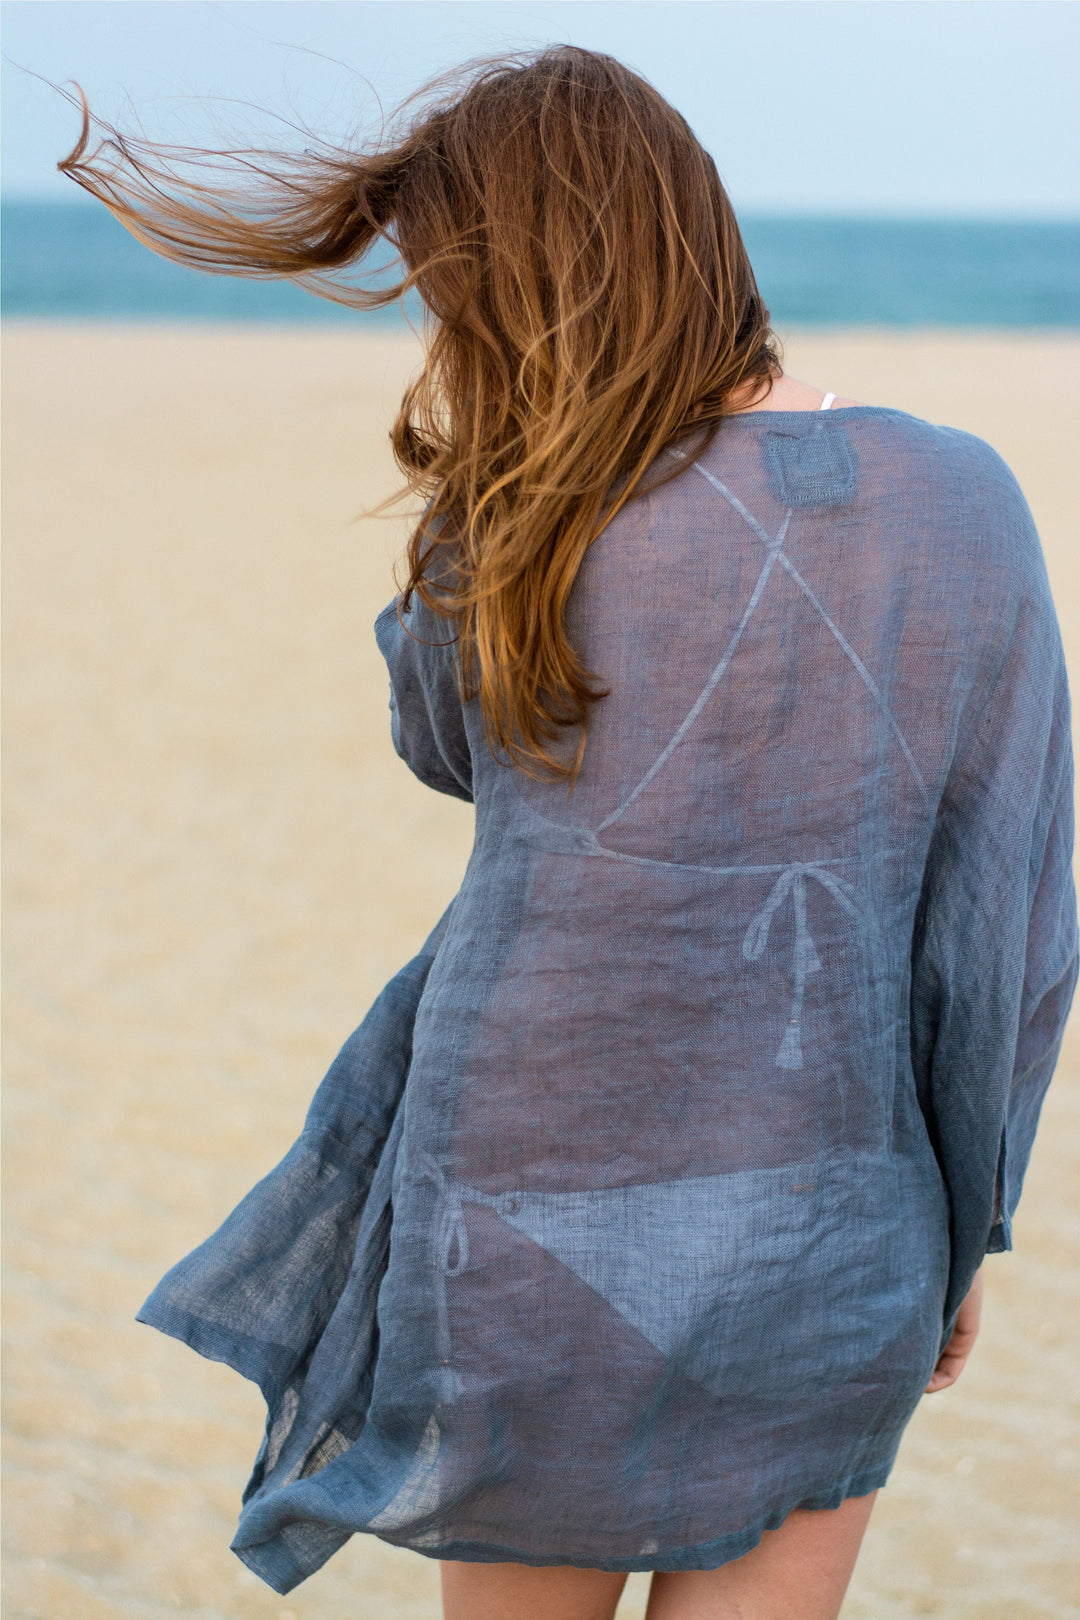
x: 451, y: 1258
x: 793, y: 879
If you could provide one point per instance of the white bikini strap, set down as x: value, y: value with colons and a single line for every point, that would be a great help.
x: 826, y: 402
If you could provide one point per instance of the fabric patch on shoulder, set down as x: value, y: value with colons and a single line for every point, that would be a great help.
x: 810, y: 463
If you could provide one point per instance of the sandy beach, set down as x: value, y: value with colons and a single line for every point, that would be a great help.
x: 214, y: 862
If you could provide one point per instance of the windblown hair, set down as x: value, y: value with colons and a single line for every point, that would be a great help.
x: 592, y: 303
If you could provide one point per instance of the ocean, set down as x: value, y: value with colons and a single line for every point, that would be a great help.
x: 73, y: 261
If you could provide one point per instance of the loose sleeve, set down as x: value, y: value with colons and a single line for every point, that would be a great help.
x: 994, y: 960
x: 426, y: 719
x: 260, y: 1292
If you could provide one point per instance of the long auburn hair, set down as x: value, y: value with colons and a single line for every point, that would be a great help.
x: 592, y: 303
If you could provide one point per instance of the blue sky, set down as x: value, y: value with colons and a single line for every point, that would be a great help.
x: 923, y: 107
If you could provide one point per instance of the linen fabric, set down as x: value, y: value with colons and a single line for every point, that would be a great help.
x: 637, y: 1210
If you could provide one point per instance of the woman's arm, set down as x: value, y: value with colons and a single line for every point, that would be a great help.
x: 951, y: 1362
x: 995, y: 955
x: 426, y: 719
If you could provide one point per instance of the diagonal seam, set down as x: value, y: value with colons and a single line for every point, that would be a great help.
x: 734, y: 501
x: 871, y: 685
x: 863, y: 672
x: 775, y: 551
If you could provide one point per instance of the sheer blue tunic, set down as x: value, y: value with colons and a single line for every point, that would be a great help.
x: 635, y: 1213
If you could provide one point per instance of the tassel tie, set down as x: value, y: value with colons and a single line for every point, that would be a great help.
x: 793, y: 880
x: 451, y: 1240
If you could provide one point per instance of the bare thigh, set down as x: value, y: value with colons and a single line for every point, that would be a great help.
x: 519, y: 1592
x: 799, y: 1572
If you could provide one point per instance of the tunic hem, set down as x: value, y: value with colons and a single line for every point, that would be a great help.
x: 274, y: 1564
x: 257, y: 1360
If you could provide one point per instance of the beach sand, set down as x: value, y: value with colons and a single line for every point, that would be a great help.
x: 215, y: 860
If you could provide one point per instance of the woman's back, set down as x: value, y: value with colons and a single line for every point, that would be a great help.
x: 798, y: 635
x: 717, y: 1057
x: 704, y: 975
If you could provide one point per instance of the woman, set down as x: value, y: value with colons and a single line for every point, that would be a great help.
x: 632, y: 1223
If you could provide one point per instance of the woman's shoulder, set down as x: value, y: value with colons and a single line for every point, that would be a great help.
x: 957, y: 488
x: 943, y: 483
x: 958, y: 466
x: 793, y: 406
x: 931, y: 450
x: 937, y: 451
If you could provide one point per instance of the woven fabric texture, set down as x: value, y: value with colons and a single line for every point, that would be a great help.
x: 636, y: 1211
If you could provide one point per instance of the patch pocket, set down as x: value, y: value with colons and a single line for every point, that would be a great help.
x: 811, y: 464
